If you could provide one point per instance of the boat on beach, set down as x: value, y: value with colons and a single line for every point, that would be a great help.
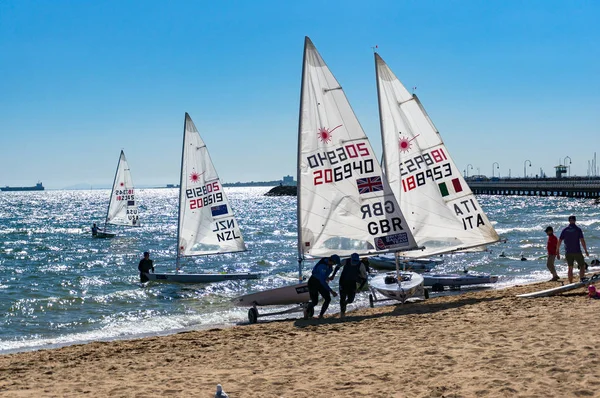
x: 440, y: 208
x: 438, y: 282
x: 388, y: 262
x: 122, y: 206
x: 345, y: 204
x: 206, y: 223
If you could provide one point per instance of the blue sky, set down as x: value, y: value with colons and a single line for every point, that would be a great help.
x: 504, y: 81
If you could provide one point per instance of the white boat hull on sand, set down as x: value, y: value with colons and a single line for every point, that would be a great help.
x: 286, y: 295
x: 411, y: 285
x: 453, y: 280
x: 561, y: 289
x: 198, y: 278
x: 388, y: 262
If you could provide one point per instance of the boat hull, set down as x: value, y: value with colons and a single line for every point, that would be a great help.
x: 411, y: 285
x: 561, y: 289
x: 453, y: 280
x: 37, y: 187
x: 198, y: 278
x: 103, y: 235
x: 286, y: 295
x: 386, y: 262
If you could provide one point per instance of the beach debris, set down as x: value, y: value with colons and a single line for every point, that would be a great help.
x: 220, y: 393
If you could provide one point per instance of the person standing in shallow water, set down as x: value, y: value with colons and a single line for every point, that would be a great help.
x: 145, y: 266
x: 573, y: 238
x: 552, y: 247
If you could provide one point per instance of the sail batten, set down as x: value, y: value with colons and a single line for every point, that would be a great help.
x: 439, y: 206
x: 345, y: 204
x: 122, y: 208
x: 207, y: 223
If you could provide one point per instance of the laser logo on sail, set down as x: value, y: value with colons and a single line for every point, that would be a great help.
x: 195, y: 177
x: 324, y: 134
x: 404, y: 143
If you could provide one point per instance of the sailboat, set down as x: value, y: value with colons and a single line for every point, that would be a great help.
x: 439, y: 206
x: 122, y: 207
x: 345, y: 205
x: 206, y: 224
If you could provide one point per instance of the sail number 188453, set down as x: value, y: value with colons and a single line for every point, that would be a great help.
x: 419, y: 179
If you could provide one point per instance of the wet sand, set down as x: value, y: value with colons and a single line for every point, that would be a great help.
x: 486, y: 343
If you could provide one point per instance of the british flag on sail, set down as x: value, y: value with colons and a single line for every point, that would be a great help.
x: 369, y: 184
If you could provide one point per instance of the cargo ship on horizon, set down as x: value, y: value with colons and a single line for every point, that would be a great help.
x: 37, y: 187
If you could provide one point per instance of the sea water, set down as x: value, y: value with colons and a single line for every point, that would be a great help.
x: 59, y: 286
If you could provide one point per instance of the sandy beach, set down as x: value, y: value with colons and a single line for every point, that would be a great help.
x: 486, y: 343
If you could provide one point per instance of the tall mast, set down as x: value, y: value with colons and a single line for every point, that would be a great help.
x: 298, y: 171
x: 380, y: 118
x: 112, y: 190
x: 397, y: 260
x: 179, y: 198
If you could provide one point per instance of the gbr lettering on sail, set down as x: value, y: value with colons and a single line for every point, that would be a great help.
x: 356, y: 162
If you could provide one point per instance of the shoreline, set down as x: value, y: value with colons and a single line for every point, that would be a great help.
x: 243, y: 321
x: 477, y: 343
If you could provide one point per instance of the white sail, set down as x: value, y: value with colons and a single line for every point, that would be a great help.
x: 207, y: 224
x: 345, y: 203
x: 439, y: 206
x: 122, y: 209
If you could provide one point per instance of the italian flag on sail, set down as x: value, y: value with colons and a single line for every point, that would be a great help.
x: 456, y: 187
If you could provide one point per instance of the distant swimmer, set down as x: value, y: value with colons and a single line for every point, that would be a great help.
x: 502, y: 255
x: 523, y: 258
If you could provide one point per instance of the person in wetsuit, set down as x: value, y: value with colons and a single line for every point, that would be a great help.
x: 318, y: 283
x: 354, y: 272
x: 145, y: 266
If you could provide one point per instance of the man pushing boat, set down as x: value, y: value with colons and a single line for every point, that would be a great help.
x: 318, y: 283
x: 353, y: 274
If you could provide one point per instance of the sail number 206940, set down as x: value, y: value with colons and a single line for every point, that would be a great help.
x: 346, y: 161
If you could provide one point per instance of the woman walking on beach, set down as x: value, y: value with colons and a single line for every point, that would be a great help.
x: 552, y: 247
x: 573, y: 237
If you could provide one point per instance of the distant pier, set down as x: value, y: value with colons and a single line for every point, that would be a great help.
x: 573, y: 187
